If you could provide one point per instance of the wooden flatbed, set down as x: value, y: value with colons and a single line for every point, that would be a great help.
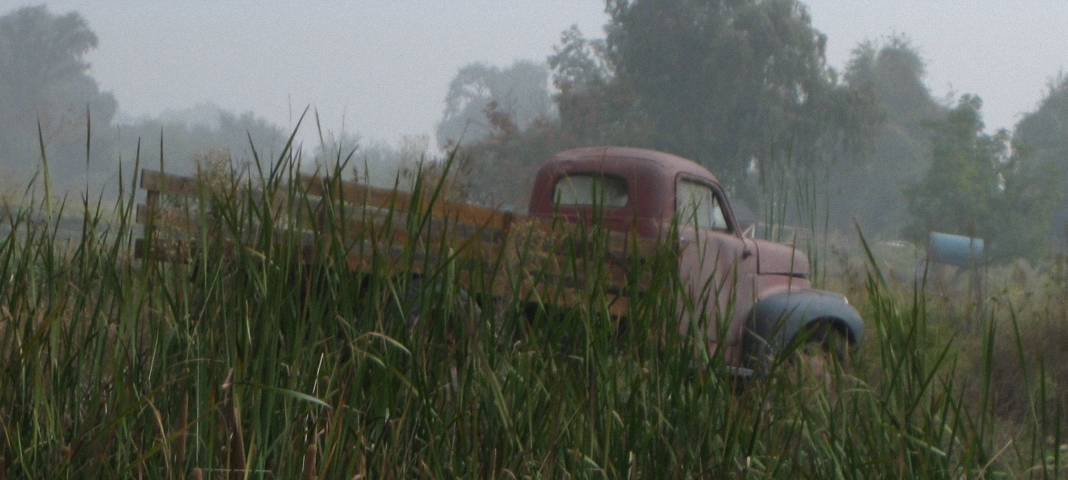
x: 379, y: 231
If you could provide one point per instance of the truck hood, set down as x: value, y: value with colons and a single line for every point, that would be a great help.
x: 778, y: 259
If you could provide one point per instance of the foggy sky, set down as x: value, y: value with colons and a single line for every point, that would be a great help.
x: 381, y: 68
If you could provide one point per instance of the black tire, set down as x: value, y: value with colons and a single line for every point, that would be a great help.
x: 822, y: 357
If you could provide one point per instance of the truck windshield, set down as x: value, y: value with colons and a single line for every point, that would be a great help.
x: 698, y: 206
x: 583, y: 190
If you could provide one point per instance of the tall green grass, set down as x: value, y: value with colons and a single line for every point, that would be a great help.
x: 248, y: 362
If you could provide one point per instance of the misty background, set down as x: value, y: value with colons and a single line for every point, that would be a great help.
x: 906, y: 117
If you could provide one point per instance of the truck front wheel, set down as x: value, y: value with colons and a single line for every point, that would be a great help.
x: 821, y: 357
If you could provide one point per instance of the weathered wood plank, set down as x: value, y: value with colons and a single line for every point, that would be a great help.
x: 538, y: 259
x: 168, y: 183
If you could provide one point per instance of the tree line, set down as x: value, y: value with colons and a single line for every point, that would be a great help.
x: 740, y: 86
x: 743, y: 87
x: 52, y: 109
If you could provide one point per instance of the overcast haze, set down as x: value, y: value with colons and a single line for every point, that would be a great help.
x: 383, y: 67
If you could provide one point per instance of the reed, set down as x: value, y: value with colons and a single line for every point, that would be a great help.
x: 251, y: 363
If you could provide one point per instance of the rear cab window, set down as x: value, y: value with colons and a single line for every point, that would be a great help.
x: 589, y: 190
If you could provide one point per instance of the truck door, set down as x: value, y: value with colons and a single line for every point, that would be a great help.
x: 716, y: 265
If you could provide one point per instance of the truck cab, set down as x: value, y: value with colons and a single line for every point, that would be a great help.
x: 751, y: 297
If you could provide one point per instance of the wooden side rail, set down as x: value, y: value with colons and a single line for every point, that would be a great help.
x: 374, y: 229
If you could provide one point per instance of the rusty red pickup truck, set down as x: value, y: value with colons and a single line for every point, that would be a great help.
x: 759, y: 288
x: 746, y: 298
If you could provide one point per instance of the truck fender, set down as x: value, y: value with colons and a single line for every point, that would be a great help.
x: 776, y: 320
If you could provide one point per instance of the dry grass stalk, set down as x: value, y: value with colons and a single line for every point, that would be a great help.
x: 183, y: 421
x: 309, y: 462
x: 232, y: 418
x: 158, y: 417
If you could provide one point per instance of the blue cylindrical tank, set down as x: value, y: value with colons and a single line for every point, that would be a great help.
x: 955, y: 250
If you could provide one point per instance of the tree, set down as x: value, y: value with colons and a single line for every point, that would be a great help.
x: 869, y: 190
x: 501, y: 167
x: 391, y: 165
x: 958, y: 193
x: 736, y: 84
x: 520, y: 91
x: 44, y: 80
x: 595, y: 107
x: 186, y: 133
x: 579, y: 63
x: 1045, y: 133
x: 1046, y: 129
x: 895, y: 71
x: 981, y: 185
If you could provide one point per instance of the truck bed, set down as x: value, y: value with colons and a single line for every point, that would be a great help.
x: 390, y: 232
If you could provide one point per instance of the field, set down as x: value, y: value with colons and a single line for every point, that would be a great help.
x: 246, y: 362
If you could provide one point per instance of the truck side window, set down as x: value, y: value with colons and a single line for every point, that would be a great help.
x: 583, y: 190
x: 698, y: 206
